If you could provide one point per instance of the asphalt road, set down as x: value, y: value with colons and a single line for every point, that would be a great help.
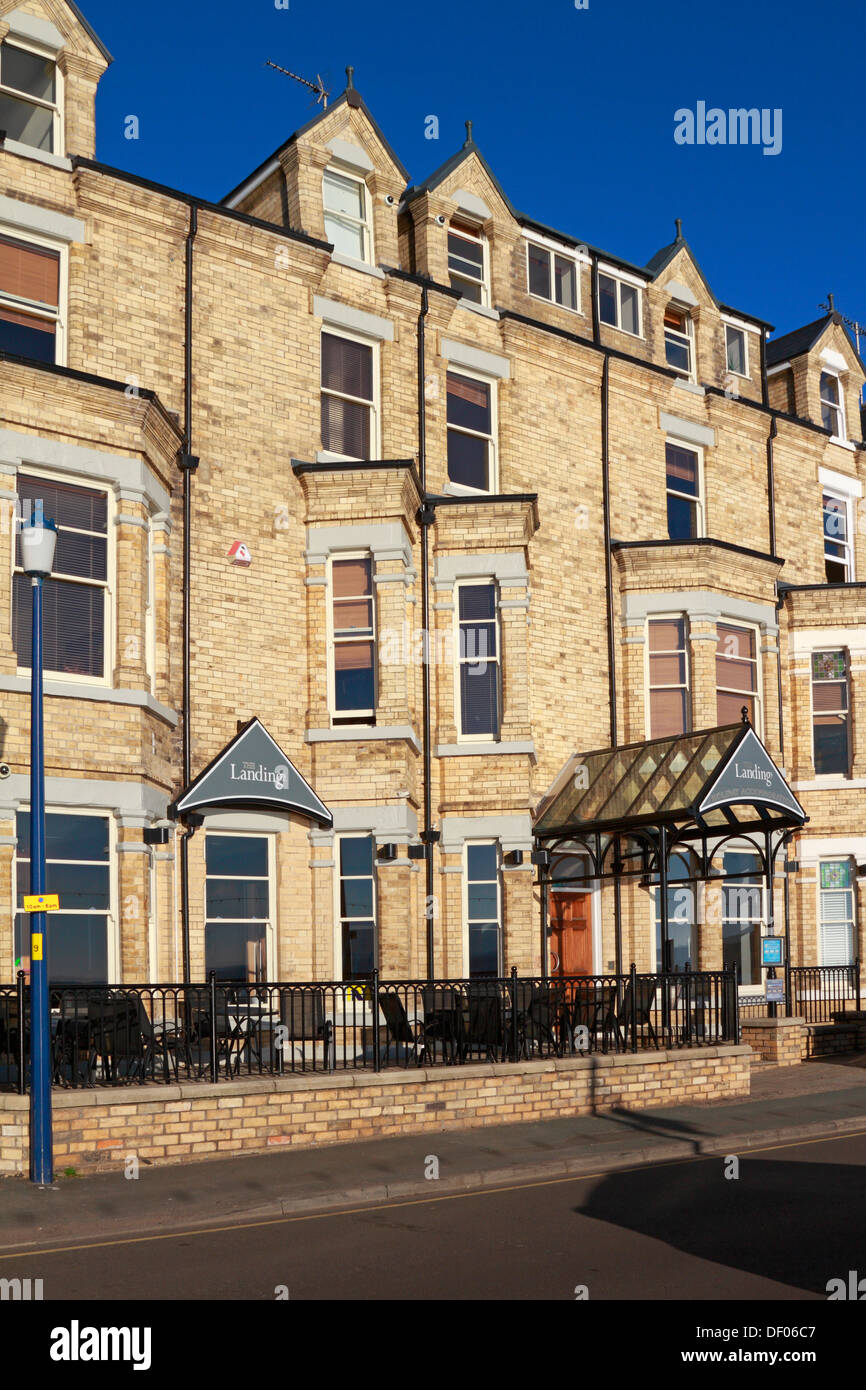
x: 793, y: 1219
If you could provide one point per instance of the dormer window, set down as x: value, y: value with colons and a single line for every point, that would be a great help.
x: 467, y: 262
x: 678, y: 341
x: 347, y: 215
x: 832, y: 410
x: 29, y: 109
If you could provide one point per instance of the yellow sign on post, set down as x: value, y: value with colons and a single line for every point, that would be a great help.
x: 41, y: 902
x: 36, y: 946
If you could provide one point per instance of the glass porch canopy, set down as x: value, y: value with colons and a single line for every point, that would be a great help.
x: 695, y: 785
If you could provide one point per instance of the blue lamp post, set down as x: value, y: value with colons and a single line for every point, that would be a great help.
x: 38, y: 541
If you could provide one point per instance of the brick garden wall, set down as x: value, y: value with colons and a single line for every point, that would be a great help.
x: 166, y: 1124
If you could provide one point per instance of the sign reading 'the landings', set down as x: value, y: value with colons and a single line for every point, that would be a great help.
x: 750, y: 775
x: 253, y: 771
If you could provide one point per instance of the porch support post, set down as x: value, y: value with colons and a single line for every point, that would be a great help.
x: 773, y: 1009
x: 663, y: 893
x: 545, y: 947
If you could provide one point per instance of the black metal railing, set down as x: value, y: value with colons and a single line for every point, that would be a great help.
x: 812, y: 992
x: 166, y: 1033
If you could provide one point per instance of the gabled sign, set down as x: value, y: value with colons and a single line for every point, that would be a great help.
x: 749, y: 775
x: 253, y: 771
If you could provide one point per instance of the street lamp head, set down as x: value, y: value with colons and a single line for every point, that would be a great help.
x: 38, y: 543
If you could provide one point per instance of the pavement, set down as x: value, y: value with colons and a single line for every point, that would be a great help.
x: 818, y: 1098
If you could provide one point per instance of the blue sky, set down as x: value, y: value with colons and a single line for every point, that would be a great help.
x: 573, y: 109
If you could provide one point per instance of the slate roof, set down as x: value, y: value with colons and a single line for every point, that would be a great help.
x: 798, y: 341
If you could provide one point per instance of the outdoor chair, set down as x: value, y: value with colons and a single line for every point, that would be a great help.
x: 115, y: 1035
x: 540, y: 1022
x: 486, y: 1021
x: 644, y: 997
x: 74, y: 1043
x: 443, y: 1020
x: 302, y: 1014
x: 203, y: 1027
x: 402, y: 1032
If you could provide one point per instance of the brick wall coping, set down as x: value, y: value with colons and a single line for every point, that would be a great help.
x: 128, y: 1098
x: 772, y: 1023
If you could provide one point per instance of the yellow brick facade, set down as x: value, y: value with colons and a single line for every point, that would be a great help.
x: 265, y: 284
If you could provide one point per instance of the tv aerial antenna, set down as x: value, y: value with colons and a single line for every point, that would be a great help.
x: 858, y: 329
x: 318, y: 86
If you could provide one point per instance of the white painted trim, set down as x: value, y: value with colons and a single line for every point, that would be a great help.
x: 506, y: 566
x: 252, y: 184
x: 840, y: 482
x: 572, y: 252
x: 130, y: 476
x: 700, y: 605
x: 734, y: 322
x: 512, y: 831
x: 628, y: 279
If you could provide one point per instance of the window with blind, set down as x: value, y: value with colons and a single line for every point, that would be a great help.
x: 29, y: 300
x: 551, y: 276
x: 467, y: 254
x: 668, y: 677
x: 357, y: 906
x: 678, y: 341
x: 483, y: 910
x: 237, y: 906
x: 29, y: 110
x: 479, y: 680
x: 76, y: 595
x: 832, y: 412
x: 353, y: 655
x: 684, y: 502
x: 836, y: 894
x: 348, y: 397
x: 838, y: 550
x: 830, y: 713
x: 737, y: 675
x: 347, y: 215
x: 78, y: 870
x: 471, y: 447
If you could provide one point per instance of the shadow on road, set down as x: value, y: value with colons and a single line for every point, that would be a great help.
x: 797, y: 1223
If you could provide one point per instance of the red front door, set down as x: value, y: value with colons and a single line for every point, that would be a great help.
x: 570, y: 916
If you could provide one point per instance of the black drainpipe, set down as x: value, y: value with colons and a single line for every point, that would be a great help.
x: 426, y: 517
x: 188, y: 464
x: 608, y: 574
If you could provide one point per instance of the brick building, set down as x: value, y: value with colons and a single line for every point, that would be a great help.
x: 618, y: 507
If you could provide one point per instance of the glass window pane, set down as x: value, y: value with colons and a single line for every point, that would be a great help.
x: 29, y: 272
x: 237, y: 854
x: 235, y: 950
x: 356, y: 897
x: 237, y: 897
x: 667, y: 670
x: 74, y: 619
x: 735, y: 641
x: 351, y: 577
x: 677, y: 354
x: 482, y: 901
x: 356, y: 855
x: 479, y: 699
x: 484, y: 950
x: 343, y: 194
x: 630, y: 320
x: 354, y: 616
x: 359, y: 950
x: 71, y: 837
x: 481, y: 861
x: 607, y: 300
x: 21, y: 335
x: 682, y: 519
x: 345, y: 427
x: 831, y: 747
x: 353, y: 676
x: 736, y: 343
x: 469, y: 460
x: 26, y: 123
x: 667, y: 635
x: 729, y: 707
x: 468, y: 403
x: 668, y: 713
x: 85, y: 509
x: 682, y: 471
x: 566, y: 282
x: 347, y: 367
x: 76, y: 949
x: 539, y: 271
x: 27, y: 72
x: 346, y: 238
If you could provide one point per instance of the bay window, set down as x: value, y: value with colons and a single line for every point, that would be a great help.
x: 684, y: 500
x: 483, y: 910
x: 78, y: 870
x: 353, y: 643
x: 349, y: 425
x: 668, y: 677
x: 478, y: 661
x: 737, y: 681
x: 830, y: 713
x: 237, y: 906
x: 356, y: 889
x: 30, y: 319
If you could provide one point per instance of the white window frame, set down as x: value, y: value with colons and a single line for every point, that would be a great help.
x: 838, y: 406
x: 754, y: 992
x: 373, y: 405
x: 108, y: 586
x: 812, y: 682
x: 499, y: 903
x: 365, y: 223
x: 758, y: 693
x: 112, y: 924
x: 475, y: 582
x: 462, y: 232
x: 835, y: 859
x: 270, y: 963
x: 845, y: 508
x: 56, y: 108
x: 29, y: 306
x: 632, y: 284
x: 564, y: 254
x: 733, y: 328
x: 491, y: 382
x: 686, y: 339
x: 648, y: 687
x: 362, y: 717
x: 699, y: 501
x: 338, y: 916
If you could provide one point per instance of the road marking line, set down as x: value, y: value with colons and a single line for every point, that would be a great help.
x: 33, y: 1252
